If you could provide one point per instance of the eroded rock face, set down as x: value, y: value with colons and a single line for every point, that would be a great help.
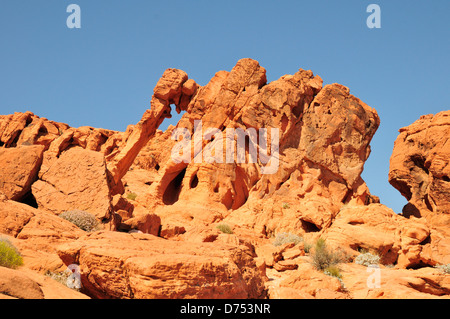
x: 118, y: 265
x: 19, y: 168
x: 324, y: 136
x: 76, y: 180
x: 420, y: 169
x: 132, y: 181
x: 170, y: 89
x: 406, y: 243
x: 36, y: 234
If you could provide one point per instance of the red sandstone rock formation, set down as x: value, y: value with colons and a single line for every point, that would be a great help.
x: 420, y: 170
x: 131, y: 182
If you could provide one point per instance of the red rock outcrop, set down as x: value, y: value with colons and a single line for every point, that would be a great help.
x: 19, y: 168
x: 303, y: 177
x: 420, y: 170
x: 397, y: 240
x: 36, y: 234
x: 78, y: 179
x: 119, y: 265
x: 172, y: 88
x: 324, y: 136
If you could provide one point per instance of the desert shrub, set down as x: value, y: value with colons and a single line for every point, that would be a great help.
x: 131, y: 196
x: 224, y: 228
x: 444, y: 268
x: 367, y: 259
x: 284, y: 238
x: 84, y: 220
x: 307, y: 246
x: 333, y: 271
x: 10, y: 257
x: 323, y: 257
x: 286, y: 206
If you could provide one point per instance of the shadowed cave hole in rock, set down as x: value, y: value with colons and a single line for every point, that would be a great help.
x: 173, y: 190
x: 427, y: 202
x: 419, y: 265
x: 42, y: 131
x: 297, y: 110
x: 194, y: 181
x: 419, y: 161
x: 309, y: 227
x: 426, y: 240
x: 29, y: 200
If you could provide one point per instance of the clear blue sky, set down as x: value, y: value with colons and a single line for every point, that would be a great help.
x: 103, y: 74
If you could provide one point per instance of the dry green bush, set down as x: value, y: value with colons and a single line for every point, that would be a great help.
x: 84, y: 220
x: 284, y: 238
x: 10, y: 257
x: 323, y: 257
x: 225, y: 228
x: 367, y: 259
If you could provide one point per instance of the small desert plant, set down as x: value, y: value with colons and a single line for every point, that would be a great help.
x: 444, y: 268
x: 323, y: 257
x: 84, y: 220
x: 367, y: 259
x: 307, y: 246
x: 333, y: 271
x: 224, y: 228
x: 10, y: 257
x: 284, y: 238
x: 131, y: 196
x: 286, y: 206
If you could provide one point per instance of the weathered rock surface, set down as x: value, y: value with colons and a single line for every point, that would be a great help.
x: 398, y: 240
x: 420, y: 170
x: 76, y: 180
x: 36, y: 233
x: 170, y: 89
x: 25, y: 284
x: 119, y: 265
x: 424, y: 283
x: 19, y: 168
x: 305, y: 178
x: 324, y: 136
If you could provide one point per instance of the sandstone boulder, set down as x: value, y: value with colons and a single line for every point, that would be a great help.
x: 419, y: 169
x: 19, y: 168
x: 77, y: 180
x: 120, y: 265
